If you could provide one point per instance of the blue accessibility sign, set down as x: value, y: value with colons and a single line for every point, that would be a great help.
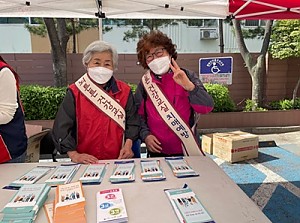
x: 216, y: 70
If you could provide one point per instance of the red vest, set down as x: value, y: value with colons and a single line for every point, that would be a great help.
x: 98, y: 134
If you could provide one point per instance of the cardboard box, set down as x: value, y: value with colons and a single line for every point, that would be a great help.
x: 235, y: 146
x: 207, y: 143
x: 35, y: 134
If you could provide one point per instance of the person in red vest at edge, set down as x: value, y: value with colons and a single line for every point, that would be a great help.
x: 13, y: 139
x: 98, y: 118
x: 168, y: 99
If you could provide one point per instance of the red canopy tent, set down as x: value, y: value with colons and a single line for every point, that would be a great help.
x: 264, y: 9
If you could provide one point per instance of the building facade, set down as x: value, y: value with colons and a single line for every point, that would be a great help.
x: 193, y: 36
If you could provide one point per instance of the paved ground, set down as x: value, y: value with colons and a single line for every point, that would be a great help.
x: 289, y: 141
x: 272, y: 180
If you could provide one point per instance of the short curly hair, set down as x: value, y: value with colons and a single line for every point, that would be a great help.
x: 154, y: 39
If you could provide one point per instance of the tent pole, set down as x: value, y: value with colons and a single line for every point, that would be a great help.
x: 100, y: 28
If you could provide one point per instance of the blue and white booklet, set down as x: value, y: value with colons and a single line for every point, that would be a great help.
x: 151, y: 170
x: 187, y: 206
x: 123, y: 172
x: 94, y: 173
x: 26, y: 203
x: 63, y: 174
x: 30, y: 177
x: 180, y: 167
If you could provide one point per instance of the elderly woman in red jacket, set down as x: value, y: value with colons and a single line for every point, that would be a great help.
x: 97, y: 119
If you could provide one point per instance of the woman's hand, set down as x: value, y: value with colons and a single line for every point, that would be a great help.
x: 126, y: 151
x: 82, y: 158
x: 153, y: 144
x: 180, y: 77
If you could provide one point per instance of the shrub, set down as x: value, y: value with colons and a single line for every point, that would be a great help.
x: 285, y: 104
x: 133, y: 87
x: 41, y: 102
x: 220, y: 93
x: 297, y: 103
x: 249, y: 105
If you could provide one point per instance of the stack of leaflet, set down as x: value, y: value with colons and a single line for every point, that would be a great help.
x: 180, y: 167
x: 93, y: 173
x: 26, y: 203
x: 31, y: 176
x: 123, y: 172
x: 111, y: 206
x: 63, y: 174
x: 69, y: 204
x: 151, y: 171
x: 187, y: 206
x: 48, y: 208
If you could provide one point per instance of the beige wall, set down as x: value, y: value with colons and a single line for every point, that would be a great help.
x: 40, y: 44
x: 83, y: 39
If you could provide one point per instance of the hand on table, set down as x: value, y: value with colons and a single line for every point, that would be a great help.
x: 126, y: 151
x: 153, y: 144
x: 82, y: 158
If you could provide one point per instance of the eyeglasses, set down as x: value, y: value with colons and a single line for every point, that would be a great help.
x: 158, y: 53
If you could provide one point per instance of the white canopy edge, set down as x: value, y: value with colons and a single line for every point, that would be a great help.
x: 126, y: 9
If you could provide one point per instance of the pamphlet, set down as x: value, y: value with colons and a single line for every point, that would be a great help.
x: 48, y: 208
x: 32, y: 176
x: 123, y: 172
x: 63, y: 174
x: 69, y: 203
x: 180, y: 167
x: 111, y: 206
x: 26, y: 203
x: 151, y: 170
x: 187, y: 206
x: 93, y: 173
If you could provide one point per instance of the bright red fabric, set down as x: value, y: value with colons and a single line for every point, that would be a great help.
x: 265, y: 9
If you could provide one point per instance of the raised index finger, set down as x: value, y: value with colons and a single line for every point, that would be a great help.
x: 175, y: 65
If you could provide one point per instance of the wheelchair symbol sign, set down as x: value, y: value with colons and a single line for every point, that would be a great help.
x: 216, y: 70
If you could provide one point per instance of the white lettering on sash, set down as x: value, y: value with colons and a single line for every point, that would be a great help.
x: 102, y: 100
x: 171, y: 117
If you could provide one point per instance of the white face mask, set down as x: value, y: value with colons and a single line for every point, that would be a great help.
x: 160, y: 65
x: 101, y: 75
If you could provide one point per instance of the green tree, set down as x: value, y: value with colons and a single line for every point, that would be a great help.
x: 285, y: 43
x: 141, y: 26
x: 256, y: 65
x: 59, y: 31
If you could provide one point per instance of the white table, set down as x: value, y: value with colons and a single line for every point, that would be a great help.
x: 147, y: 202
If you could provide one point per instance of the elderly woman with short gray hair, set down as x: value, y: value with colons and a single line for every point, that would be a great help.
x: 97, y: 119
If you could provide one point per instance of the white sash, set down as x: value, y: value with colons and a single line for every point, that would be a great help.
x: 101, y: 100
x: 171, y: 117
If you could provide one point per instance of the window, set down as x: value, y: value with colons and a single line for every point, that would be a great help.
x: 35, y: 21
x: 13, y: 20
x: 202, y: 23
x: 255, y: 23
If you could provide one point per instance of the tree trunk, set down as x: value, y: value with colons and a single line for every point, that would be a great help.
x: 258, y: 72
x: 255, y: 66
x: 73, y: 35
x: 58, y: 40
